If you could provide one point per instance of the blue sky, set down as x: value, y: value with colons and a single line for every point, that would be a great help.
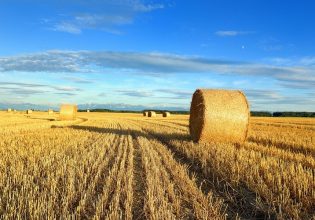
x: 156, y: 53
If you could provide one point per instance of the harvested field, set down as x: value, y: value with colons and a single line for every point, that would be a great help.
x: 126, y: 166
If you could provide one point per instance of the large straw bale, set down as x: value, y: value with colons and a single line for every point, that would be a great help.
x: 68, y: 112
x: 50, y: 111
x: 29, y: 111
x: 151, y: 114
x: 9, y: 110
x: 88, y: 110
x: 219, y: 116
x: 145, y: 114
x: 166, y: 114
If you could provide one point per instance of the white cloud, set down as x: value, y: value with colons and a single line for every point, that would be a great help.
x: 231, y: 33
x: 308, y: 61
x: 67, y: 27
x: 106, y: 16
x: 155, y: 64
x: 135, y: 93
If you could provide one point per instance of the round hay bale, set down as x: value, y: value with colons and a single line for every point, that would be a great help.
x: 50, y: 111
x: 29, y: 111
x: 166, y: 114
x: 151, y: 114
x: 68, y: 112
x: 9, y: 110
x: 145, y: 114
x: 219, y: 116
x: 88, y: 110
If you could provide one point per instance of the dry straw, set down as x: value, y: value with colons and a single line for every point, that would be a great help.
x: 145, y: 114
x: 50, y: 111
x: 219, y: 116
x: 9, y: 110
x: 151, y: 114
x: 166, y: 114
x: 88, y: 110
x: 29, y: 111
x: 68, y: 112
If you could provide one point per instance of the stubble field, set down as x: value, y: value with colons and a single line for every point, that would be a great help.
x: 126, y: 166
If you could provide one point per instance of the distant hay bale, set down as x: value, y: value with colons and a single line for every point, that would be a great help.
x: 151, y: 114
x: 29, y: 111
x: 68, y: 112
x: 14, y: 110
x: 50, y: 111
x: 9, y: 110
x: 88, y: 110
x: 166, y: 114
x: 219, y: 116
x: 145, y: 114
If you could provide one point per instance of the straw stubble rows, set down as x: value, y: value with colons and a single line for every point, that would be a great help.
x: 129, y: 167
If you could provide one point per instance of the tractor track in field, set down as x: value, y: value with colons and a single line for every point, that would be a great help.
x: 239, y: 203
x: 138, y: 182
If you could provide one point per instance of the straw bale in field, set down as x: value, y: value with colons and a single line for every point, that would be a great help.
x: 68, y: 112
x: 50, y: 111
x: 9, y: 110
x: 219, y: 116
x: 166, y: 114
x: 151, y: 114
x: 29, y: 111
x: 88, y: 110
x: 145, y: 113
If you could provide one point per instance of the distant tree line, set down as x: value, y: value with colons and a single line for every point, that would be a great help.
x: 293, y: 114
x: 158, y: 111
x: 108, y: 110
x: 130, y: 111
x: 252, y: 113
x: 261, y: 114
x: 282, y: 114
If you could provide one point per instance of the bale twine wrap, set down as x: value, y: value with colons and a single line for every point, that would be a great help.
x: 145, y: 114
x: 29, y: 111
x: 219, y: 116
x: 166, y: 114
x: 68, y: 112
x: 151, y: 114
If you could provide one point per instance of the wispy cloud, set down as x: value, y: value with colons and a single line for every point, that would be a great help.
x: 106, y: 16
x: 157, y: 64
x: 277, y: 100
x: 67, y: 27
x: 78, y: 80
x: 157, y: 93
x: 84, y: 61
x: 232, y: 33
x: 135, y: 93
x: 28, y: 88
x: 272, y: 44
x: 65, y: 93
x: 176, y: 94
x: 262, y: 94
x: 50, y: 61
